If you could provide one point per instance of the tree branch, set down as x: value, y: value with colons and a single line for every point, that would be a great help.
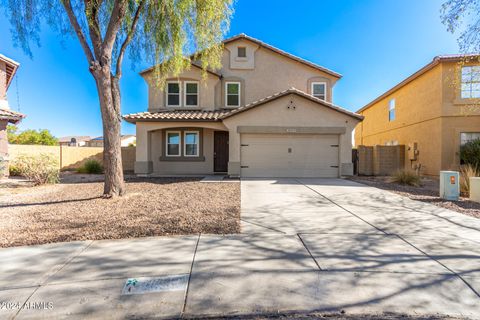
x: 118, y: 13
x: 91, y: 13
x: 118, y: 72
x: 78, y: 30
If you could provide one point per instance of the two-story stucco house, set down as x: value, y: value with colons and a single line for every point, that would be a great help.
x: 265, y: 113
x: 432, y: 113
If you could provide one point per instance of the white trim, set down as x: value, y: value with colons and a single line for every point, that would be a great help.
x: 324, y: 89
x: 179, y: 94
x: 185, y: 143
x: 239, y: 93
x: 185, y: 93
x: 179, y: 144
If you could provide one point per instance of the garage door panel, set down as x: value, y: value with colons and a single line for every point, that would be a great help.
x: 275, y: 155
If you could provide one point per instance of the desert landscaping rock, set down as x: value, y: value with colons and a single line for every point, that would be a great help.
x: 151, y: 207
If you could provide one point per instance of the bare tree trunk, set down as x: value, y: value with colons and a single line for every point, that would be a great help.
x: 109, y: 94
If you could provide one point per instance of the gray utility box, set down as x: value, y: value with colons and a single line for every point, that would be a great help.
x: 449, y: 185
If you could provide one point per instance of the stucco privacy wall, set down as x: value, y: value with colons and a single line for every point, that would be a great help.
x: 149, y: 144
x: 70, y: 158
x: 305, y: 114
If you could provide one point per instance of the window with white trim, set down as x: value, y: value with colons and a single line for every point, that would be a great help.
x: 191, y: 143
x: 319, y: 90
x: 470, y: 87
x: 232, y: 94
x: 173, y: 94
x: 173, y: 143
x: 191, y: 93
x: 391, y: 110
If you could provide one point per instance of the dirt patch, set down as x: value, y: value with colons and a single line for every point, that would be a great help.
x: 427, y: 192
x: 152, y: 207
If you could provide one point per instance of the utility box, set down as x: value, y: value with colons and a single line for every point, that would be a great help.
x: 475, y: 189
x: 449, y: 185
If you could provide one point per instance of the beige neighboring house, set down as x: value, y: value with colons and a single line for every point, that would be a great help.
x: 125, y: 140
x: 74, y: 141
x: 433, y: 112
x: 265, y: 113
x: 8, y: 68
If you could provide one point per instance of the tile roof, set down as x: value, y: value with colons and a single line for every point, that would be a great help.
x: 176, y: 115
x: 287, y: 92
x: 218, y: 115
x: 11, y: 116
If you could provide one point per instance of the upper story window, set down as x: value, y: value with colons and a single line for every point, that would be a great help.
x: 319, y: 90
x: 191, y: 94
x: 232, y: 94
x: 470, y: 82
x: 173, y: 94
x: 391, y: 110
x: 173, y: 143
x: 242, y: 52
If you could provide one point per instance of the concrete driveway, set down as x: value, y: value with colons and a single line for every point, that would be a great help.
x: 323, y: 244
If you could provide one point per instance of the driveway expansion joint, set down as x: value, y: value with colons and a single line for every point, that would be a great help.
x: 184, y: 307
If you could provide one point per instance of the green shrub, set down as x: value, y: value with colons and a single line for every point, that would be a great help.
x: 91, y: 166
x: 467, y: 171
x: 470, y: 153
x: 406, y: 177
x: 13, y: 171
x: 40, y: 169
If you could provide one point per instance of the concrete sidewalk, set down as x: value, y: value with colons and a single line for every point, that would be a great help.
x: 315, y: 244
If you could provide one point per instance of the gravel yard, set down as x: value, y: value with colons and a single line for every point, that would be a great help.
x: 152, y: 207
x: 428, y: 192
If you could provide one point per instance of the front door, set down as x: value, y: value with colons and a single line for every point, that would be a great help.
x: 220, y: 151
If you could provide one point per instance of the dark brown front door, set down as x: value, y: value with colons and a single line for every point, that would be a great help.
x: 220, y: 151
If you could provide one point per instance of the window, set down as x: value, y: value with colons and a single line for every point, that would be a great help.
x: 232, y: 94
x: 391, y: 110
x: 319, y: 90
x: 191, y: 94
x: 173, y: 94
x: 468, y: 136
x: 191, y: 139
x: 241, y: 52
x: 470, y: 82
x: 173, y: 143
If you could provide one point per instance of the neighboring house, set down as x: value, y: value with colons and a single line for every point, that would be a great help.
x: 126, y: 141
x: 265, y: 113
x: 74, y: 141
x: 8, y: 68
x: 432, y: 112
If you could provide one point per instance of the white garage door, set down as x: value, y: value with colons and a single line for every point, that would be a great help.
x: 278, y: 155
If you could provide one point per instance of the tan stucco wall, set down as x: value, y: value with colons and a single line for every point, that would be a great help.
x: 149, y: 148
x: 305, y: 114
x: 271, y: 73
x: 417, y: 119
x: 429, y: 111
x: 157, y: 98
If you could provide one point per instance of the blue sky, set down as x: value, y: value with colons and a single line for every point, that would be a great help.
x: 374, y: 44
